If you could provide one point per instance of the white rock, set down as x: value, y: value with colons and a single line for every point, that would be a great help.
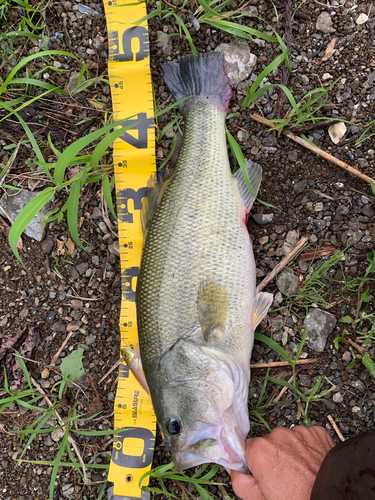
x: 362, y: 19
x: 337, y: 132
x: 239, y: 62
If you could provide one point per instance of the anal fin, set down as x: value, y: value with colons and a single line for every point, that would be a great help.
x: 261, y: 305
x: 254, y: 171
x: 132, y: 358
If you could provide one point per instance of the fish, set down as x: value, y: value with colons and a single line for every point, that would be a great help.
x: 196, y: 300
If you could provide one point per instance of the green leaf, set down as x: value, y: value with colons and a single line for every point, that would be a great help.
x: 71, y: 151
x: 72, y: 213
x: 351, y: 364
x: 71, y: 366
x: 107, y: 194
x: 27, y: 214
x: 271, y: 343
x: 346, y: 319
x: 368, y: 363
x: 57, y: 462
x: 28, y: 59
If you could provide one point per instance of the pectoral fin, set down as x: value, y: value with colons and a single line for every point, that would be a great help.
x: 254, y: 171
x: 132, y: 358
x: 213, y: 309
x: 262, y: 303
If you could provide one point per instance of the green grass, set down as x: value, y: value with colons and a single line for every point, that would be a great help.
x: 30, y: 398
x: 199, y: 479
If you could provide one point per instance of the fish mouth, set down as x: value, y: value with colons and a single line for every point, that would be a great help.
x: 205, y: 443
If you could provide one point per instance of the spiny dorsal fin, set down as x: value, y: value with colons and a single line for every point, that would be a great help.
x: 261, y: 305
x: 155, y: 189
x: 213, y: 309
x: 255, y: 175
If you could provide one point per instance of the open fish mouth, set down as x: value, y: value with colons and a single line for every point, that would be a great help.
x: 220, y: 444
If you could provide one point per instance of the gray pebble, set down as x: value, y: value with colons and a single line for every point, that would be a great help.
x: 263, y: 219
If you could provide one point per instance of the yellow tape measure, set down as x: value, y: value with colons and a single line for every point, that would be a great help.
x: 134, y: 163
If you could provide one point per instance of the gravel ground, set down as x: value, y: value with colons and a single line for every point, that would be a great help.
x: 315, y: 199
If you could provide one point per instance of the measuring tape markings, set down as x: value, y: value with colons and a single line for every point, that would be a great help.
x: 134, y: 163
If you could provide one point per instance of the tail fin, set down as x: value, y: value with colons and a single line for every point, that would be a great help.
x: 203, y: 77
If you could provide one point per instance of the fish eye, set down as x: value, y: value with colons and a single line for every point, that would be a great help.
x: 173, y: 426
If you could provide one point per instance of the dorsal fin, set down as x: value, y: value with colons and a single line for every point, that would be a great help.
x: 254, y: 171
x: 155, y: 189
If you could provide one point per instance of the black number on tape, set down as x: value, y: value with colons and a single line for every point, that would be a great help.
x: 141, y: 124
x: 140, y: 451
x: 127, y: 283
x: 123, y: 196
x: 135, y: 44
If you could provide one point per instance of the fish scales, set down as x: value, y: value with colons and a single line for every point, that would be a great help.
x: 197, y: 232
x: 197, y: 306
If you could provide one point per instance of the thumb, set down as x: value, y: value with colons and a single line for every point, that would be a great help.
x: 245, y: 486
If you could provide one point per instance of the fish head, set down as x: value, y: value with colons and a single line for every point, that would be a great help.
x: 202, y: 407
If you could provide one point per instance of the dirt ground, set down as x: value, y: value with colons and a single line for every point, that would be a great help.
x: 314, y: 198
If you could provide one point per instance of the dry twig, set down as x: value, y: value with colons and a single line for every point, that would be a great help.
x: 334, y: 425
x: 283, y: 390
x: 56, y: 356
x: 274, y: 364
x: 302, y: 242
x: 315, y: 149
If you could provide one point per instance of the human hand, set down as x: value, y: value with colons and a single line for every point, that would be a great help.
x: 283, y: 464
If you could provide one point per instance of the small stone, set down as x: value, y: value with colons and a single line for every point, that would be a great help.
x: 57, y: 434
x: 292, y: 237
x: 305, y: 380
x: 16, y: 203
x: 324, y: 23
x: 73, y: 81
x: 305, y: 79
x: 318, y: 206
x: 103, y: 227
x: 52, y: 295
x: 165, y: 43
x: 47, y: 245
x: 59, y: 327
x: 239, y: 62
x: 293, y: 156
x: 96, y: 213
x: 114, y: 248
x: 95, y: 260
x: 243, y: 135
x: 358, y: 384
x: 263, y: 219
x: 24, y: 312
x: 287, y: 282
x: 48, y: 441
x: 319, y: 324
x: 368, y: 210
x: 303, y: 265
x: 362, y: 19
x: 300, y: 186
x: 45, y: 373
x: 82, y: 268
x: 338, y: 398
x: 263, y: 240
x: 278, y: 298
x: 90, y: 339
x: 73, y: 326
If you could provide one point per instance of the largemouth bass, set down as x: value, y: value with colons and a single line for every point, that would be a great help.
x: 197, y: 306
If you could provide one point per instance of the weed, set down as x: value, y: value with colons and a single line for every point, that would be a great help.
x: 307, y: 396
x: 168, y: 472
x: 48, y: 419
